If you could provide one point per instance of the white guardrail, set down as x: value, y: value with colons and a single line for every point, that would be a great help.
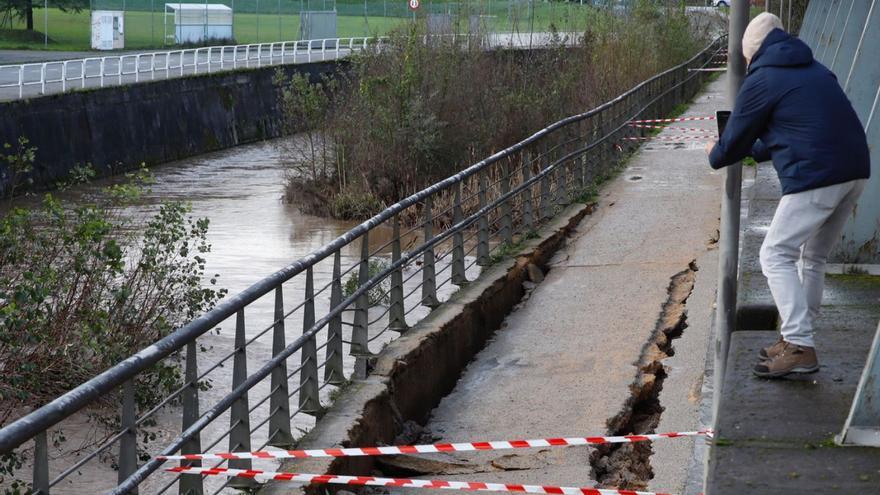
x: 16, y: 81
x: 59, y: 76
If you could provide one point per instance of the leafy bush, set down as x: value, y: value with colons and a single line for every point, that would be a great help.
x: 18, y: 161
x: 412, y: 113
x: 83, y: 287
x: 376, y: 295
x: 355, y: 206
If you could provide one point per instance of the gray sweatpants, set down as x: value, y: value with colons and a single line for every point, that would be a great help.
x: 805, y: 228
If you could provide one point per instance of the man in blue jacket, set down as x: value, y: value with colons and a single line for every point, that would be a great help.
x: 792, y: 110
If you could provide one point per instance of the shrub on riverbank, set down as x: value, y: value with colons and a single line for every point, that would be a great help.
x: 83, y: 287
x: 412, y: 113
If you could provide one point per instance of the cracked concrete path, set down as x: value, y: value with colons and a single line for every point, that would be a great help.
x: 563, y: 363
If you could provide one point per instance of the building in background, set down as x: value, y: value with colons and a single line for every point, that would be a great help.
x: 845, y: 36
x: 197, y: 22
x: 108, y: 29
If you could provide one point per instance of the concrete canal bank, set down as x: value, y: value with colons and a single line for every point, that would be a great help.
x: 117, y: 128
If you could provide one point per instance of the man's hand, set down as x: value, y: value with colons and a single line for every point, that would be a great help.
x: 710, y: 146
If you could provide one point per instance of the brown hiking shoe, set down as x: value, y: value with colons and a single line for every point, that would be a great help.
x: 791, y: 359
x: 770, y: 352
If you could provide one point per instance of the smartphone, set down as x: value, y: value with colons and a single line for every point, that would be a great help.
x: 721, y: 116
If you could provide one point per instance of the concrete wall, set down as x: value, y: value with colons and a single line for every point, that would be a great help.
x: 845, y: 36
x: 118, y: 128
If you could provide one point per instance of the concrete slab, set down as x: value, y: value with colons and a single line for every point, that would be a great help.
x: 775, y: 437
x: 564, y: 363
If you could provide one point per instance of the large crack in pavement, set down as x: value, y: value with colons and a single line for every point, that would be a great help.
x: 628, y: 466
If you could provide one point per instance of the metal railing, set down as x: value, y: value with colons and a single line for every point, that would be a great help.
x: 36, y: 79
x: 374, y: 281
x: 42, y: 78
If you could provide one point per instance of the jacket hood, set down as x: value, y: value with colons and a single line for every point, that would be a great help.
x: 780, y: 49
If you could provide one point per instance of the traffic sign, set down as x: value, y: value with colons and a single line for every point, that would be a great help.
x: 414, y: 5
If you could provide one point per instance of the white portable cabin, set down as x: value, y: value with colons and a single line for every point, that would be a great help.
x: 198, y: 22
x: 108, y: 30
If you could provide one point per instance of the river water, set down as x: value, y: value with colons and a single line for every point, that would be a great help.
x: 253, y: 233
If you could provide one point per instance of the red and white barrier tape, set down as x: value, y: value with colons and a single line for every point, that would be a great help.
x: 439, y: 447
x: 680, y: 129
x: 402, y: 482
x: 685, y: 137
x: 677, y: 119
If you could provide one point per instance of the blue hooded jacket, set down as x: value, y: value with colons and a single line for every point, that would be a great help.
x: 804, y: 121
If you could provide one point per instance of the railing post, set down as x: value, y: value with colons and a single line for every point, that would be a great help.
x: 333, y: 371
x: 239, y: 415
x: 128, y: 441
x: 546, y: 210
x: 360, y: 331
x: 584, y: 128
x: 561, y: 173
x: 527, y: 214
x: 429, y: 277
x: 279, y: 402
x: 309, y: 402
x: 458, y: 272
x: 606, y: 145
x: 41, y: 464
x: 190, y: 398
x: 397, y: 309
x: 506, y: 209
x: 483, y: 223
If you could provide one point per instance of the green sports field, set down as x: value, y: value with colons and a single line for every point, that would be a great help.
x: 145, y: 29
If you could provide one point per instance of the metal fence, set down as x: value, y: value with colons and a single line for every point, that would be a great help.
x: 57, y: 25
x: 408, y: 259
x: 37, y: 79
x: 42, y: 78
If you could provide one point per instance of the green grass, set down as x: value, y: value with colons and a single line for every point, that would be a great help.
x: 71, y: 31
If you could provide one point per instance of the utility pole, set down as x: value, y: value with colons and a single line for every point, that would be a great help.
x: 728, y: 254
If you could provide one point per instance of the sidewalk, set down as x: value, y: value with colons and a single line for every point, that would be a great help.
x: 567, y: 362
x: 776, y: 437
